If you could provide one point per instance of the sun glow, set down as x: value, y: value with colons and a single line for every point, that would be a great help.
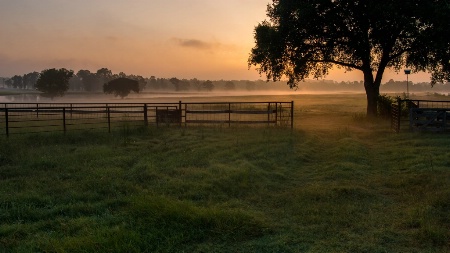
x: 200, y: 39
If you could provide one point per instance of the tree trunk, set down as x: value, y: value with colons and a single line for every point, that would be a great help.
x: 372, y: 93
x: 371, y: 103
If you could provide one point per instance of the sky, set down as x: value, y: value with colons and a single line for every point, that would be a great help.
x: 204, y: 39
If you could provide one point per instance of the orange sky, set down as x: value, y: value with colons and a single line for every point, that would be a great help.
x: 201, y: 39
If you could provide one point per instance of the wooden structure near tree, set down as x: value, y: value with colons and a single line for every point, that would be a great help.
x: 421, y: 115
x: 429, y: 119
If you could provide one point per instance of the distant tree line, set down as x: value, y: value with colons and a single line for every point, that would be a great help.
x: 87, y: 81
x: 94, y: 82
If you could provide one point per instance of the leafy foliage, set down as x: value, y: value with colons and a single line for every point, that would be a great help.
x: 30, y: 79
x: 208, y: 85
x: 180, y: 85
x: 54, y: 82
x: 306, y: 38
x: 385, y: 105
x: 121, y: 87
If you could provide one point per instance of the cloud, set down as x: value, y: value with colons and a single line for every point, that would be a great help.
x: 213, y: 47
x: 194, y: 43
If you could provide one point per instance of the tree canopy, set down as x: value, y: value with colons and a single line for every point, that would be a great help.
x: 30, y: 79
x: 121, y: 86
x: 54, y: 82
x: 307, y: 38
x: 208, y: 85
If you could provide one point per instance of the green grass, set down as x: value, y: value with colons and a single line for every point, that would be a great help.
x: 337, y: 183
x: 7, y: 92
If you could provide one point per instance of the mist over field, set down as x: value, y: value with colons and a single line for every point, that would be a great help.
x: 165, y: 91
x: 87, y: 86
x: 170, y: 97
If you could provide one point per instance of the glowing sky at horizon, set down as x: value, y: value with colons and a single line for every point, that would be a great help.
x: 201, y: 39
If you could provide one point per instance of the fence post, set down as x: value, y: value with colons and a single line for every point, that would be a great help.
x: 276, y: 114
x: 145, y: 115
x: 37, y: 110
x: 181, y: 112
x: 292, y: 115
x: 411, y: 117
x: 6, y: 120
x: 229, y: 114
x: 109, y: 118
x: 185, y: 115
x: 444, y: 121
x: 268, y: 114
x: 64, y: 119
x: 399, y: 104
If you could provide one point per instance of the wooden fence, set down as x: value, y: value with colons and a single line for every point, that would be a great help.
x: 17, y: 118
x: 420, y: 115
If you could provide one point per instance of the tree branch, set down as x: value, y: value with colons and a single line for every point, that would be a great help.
x: 343, y: 64
x: 392, y: 57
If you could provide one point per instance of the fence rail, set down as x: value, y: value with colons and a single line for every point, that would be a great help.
x: 429, y: 119
x: 17, y: 118
x: 420, y: 115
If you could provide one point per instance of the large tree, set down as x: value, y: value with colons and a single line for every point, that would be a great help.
x: 54, y: 82
x: 307, y: 38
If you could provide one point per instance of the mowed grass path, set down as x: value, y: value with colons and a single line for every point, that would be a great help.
x: 352, y: 186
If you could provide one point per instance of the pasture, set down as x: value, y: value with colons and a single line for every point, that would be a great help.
x: 337, y: 183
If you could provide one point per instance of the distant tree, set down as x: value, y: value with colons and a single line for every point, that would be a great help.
x: 82, y: 74
x: 54, y: 82
x: 208, y: 85
x: 90, y: 80
x: 176, y: 83
x: 249, y: 85
x: 309, y: 37
x: 141, y: 80
x: 8, y: 82
x: 30, y: 79
x: 121, y: 86
x: 185, y: 84
x: 229, y: 85
x: 17, y: 82
x: 196, y: 84
x: 104, y: 75
x: 180, y: 85
x: 152, y: 83
x: 163, y: 83
x: 75, y: 83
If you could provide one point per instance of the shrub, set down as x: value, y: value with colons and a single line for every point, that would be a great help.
x: 384, y: 105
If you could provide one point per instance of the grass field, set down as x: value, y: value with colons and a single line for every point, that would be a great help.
x: 337, y: 183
